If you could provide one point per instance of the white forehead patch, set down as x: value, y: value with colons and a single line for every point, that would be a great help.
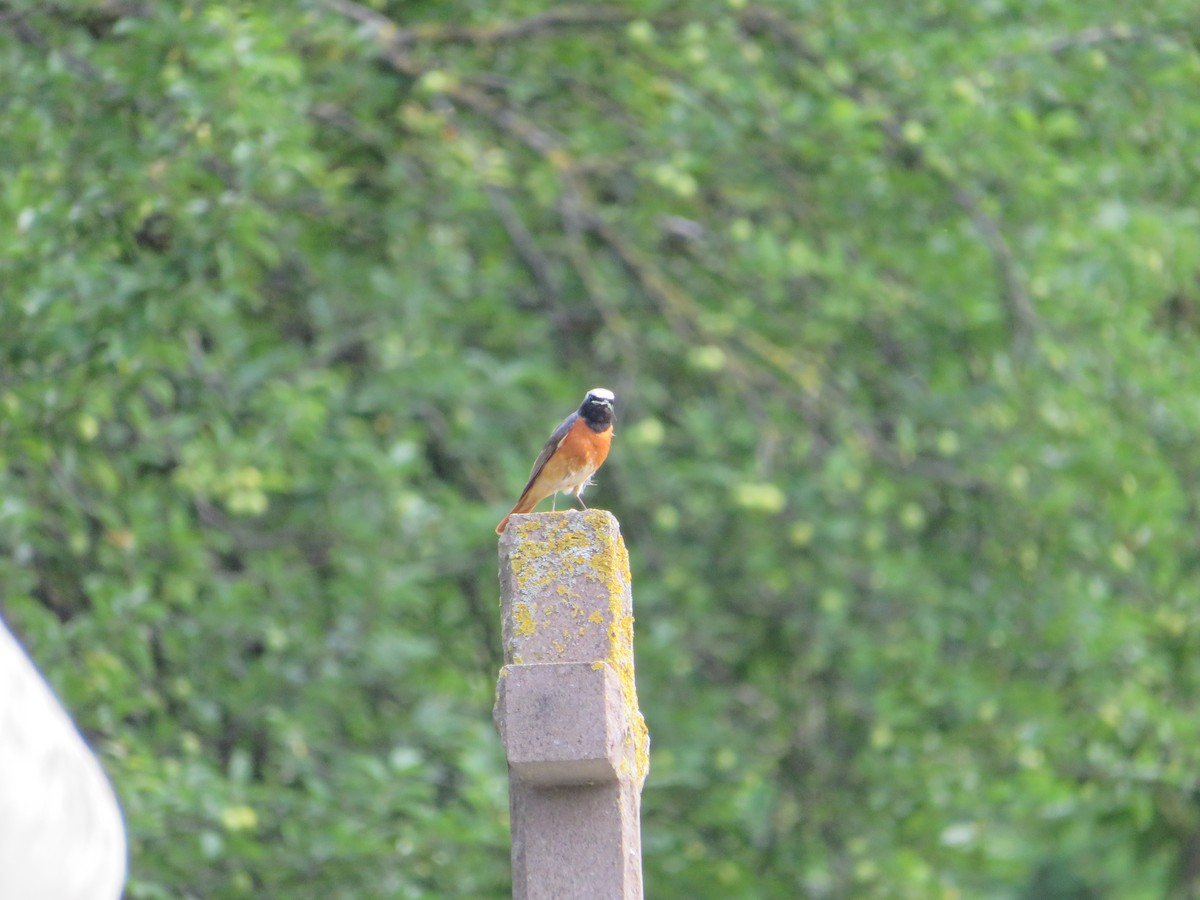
x: 602, y: 394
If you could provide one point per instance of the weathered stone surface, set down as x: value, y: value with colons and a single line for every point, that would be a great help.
x: 562, y: 723
x: 566, y: 708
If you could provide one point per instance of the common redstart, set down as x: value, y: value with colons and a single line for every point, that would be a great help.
x: 571, y: 457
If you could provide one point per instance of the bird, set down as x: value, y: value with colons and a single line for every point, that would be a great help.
x: 576, y: 449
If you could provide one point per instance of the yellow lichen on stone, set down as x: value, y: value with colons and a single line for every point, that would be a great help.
x: 523, y: 622
x: 533, y: 563
x: 612, y: 569
x: 556, y: 550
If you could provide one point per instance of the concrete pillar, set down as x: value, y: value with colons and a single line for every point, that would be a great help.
x: 567, y: 711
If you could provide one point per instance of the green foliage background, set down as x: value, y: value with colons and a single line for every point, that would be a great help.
x: 901, y: 305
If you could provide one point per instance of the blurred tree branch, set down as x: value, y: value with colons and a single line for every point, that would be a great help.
x: 1021, y: 315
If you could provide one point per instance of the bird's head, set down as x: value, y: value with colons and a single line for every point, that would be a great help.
x: 597, y: 408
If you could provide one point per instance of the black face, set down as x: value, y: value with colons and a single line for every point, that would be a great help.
x: 597, y: 411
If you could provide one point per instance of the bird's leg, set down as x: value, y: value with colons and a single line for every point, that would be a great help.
x: 579, y: 497
x: 554, y: 501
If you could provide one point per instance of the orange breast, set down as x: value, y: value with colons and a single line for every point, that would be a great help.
x: 579, y: 455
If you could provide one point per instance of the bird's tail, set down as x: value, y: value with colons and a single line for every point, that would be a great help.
x: 523, y: 506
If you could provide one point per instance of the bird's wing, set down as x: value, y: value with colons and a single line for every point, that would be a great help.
x: 560, y: 434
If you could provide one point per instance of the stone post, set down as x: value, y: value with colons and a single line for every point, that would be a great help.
x: 567, y: 710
